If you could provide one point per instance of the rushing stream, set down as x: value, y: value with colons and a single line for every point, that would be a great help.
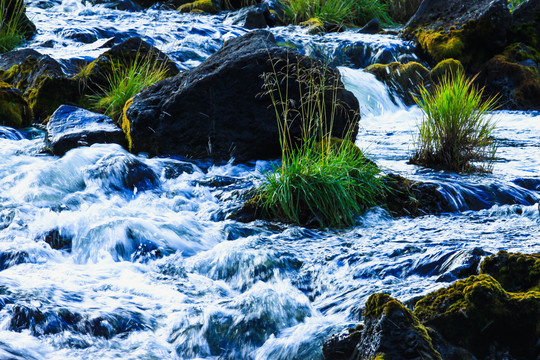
x: 145, y: 264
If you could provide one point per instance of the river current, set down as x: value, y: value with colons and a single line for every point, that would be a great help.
x: 148, y: 266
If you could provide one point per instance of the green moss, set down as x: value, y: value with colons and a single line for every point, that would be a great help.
x: 14, y: 110
x: 375, y: 304
x: 126, y: 124
x: 442, y: 44
x: 314, y: 26
x: 444, y: 68
x: 204, y: 6
x: 49, y: 93
x: 477, y: 312
x: 515, y: 272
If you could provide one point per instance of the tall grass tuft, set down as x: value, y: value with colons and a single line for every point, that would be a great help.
x: 456, y: 129
x: 357, y: 12
x: 12, y: 14
x: 124, y: 81
x: 321, y: 179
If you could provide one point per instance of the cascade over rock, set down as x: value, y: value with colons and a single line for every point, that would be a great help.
x: 220, y: 108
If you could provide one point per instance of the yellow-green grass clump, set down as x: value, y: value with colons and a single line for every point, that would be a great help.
x: 12, y: 14
x: 456, y: 129
x: 124, y: 82
x: 357, y: 12
x: 321, y: 180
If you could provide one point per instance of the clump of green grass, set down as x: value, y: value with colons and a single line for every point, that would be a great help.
x: 321, y: 178
x: 357, y: 12
x: 124, y: 81
x: 456, y: 129
x: 12, y: 14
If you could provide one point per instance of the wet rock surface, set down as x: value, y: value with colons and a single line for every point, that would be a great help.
x: 70, y: 127
x: 219, y: 109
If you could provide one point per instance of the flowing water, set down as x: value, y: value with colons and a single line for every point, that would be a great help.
x: 107, y: 255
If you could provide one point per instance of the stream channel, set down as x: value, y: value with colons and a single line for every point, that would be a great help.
x: 157, y: 271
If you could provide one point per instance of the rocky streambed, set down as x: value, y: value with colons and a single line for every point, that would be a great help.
x: 119, y: 237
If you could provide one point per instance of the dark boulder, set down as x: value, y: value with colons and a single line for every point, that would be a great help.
x: 372, y: 27
x: 70, y: 127
x: 392, y: 332
x: 468, y: 31
x: 341, y: 346
x: 220, y: 108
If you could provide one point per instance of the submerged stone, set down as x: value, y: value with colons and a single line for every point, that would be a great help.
x: 70, y: 127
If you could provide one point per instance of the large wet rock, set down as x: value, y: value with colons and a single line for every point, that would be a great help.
x: 479, y: 315
x: 14, y: 110
x: 70, y: 127
x: 219, y: 109
x: 468, y: 31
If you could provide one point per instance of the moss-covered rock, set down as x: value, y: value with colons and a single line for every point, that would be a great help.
x: 445, y: 68
x: 514, y: 271
x: 471, y: 32
x: 479, y: 315
x: 14, y: 110
x: 403, y: 79
x: 517, y: 84
x: 392, y: 332
x: 200, y: 6
x: 41, y: 79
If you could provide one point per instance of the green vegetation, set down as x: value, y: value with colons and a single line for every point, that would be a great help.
x: 124, y: 82
x: 11, y: 16
x: 356, y: 12
x: 456, y: 128
x: 513, y: 4
x: 321, y: 178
